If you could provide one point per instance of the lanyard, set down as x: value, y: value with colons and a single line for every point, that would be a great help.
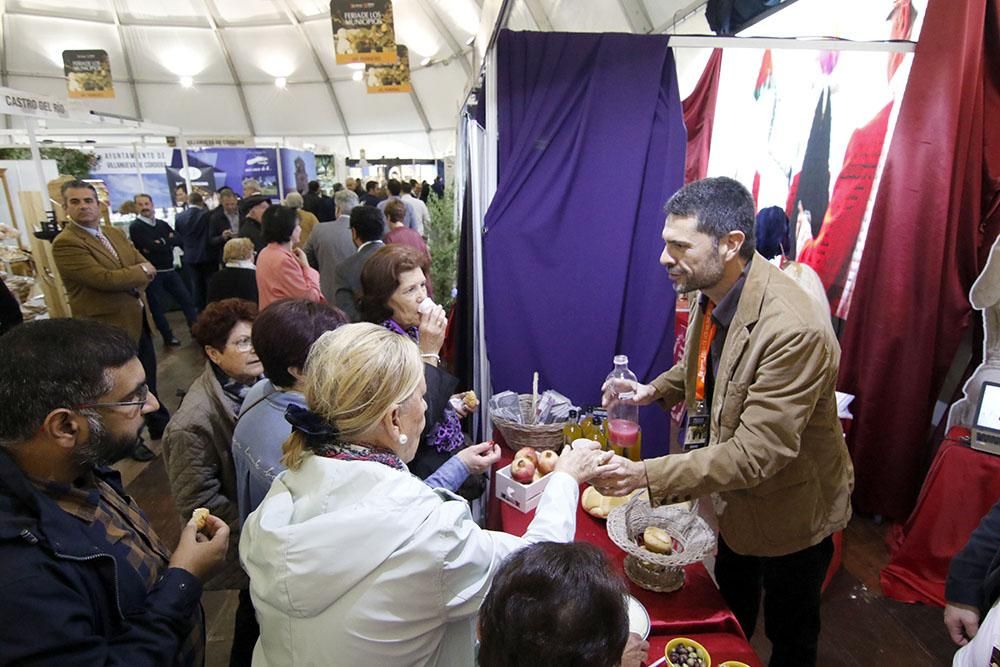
x: 708, y: 329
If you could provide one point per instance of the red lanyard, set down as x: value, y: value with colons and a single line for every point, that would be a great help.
x: 708, y: 329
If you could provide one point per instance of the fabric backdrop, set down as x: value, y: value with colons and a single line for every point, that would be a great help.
x: 591, y: 145
x: 699, y: 118
x: 929, y: 233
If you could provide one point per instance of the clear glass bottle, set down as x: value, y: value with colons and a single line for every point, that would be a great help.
x: 624, y: 435
x: 571, y: 429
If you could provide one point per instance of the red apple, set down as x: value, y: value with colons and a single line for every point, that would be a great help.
x: 522, y: 470
x: 529, y: 453
x: 547, y: 461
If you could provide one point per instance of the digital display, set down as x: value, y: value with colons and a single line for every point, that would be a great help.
x: 989, y: 407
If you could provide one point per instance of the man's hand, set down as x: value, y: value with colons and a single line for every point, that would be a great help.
x: 642, y: 394
x: 480, y: 458
x: 203, y: 552
x: 962, y: 622
x: 621, y: 477
x: 228, y: 234
x: 636, y: 651
x: 583, y: 460
x: 149, y: 270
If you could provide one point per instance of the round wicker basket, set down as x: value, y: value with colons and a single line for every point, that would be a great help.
x: 692, y: 538
x: 539, y: 436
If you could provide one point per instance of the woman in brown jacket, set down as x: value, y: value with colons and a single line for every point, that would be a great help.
x: 198, y: 440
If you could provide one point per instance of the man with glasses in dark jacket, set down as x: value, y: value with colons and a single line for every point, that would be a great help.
x: 85, y: 579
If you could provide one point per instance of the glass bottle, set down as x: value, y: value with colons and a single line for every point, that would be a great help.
x: 624, y: 435
x: 571, y: 429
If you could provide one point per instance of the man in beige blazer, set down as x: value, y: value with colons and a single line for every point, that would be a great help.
x: 105, y: 279
x: 761, y: 392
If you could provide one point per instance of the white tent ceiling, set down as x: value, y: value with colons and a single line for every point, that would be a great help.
x: 235, y: 49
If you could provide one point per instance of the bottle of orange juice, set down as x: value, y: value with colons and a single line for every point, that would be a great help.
x: 593, y: 429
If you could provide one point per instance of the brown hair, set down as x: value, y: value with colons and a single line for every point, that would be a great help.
x: 395, y: 210
x: 218, y: 319
x: 380, y: 278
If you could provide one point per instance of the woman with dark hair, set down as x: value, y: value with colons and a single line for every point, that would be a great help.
x: 772, y: 233
x: 282, y: 336
x: 557, y: 605
x: 354, y: 561
x: 393, y: 285
x: 197, y: 443
x: 283, y: 272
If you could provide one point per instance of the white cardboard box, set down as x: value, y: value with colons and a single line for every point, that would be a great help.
x: 524, y: 497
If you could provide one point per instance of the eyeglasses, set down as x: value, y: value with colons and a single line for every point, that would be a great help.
x: 244, y: 344
x: 141, y: 396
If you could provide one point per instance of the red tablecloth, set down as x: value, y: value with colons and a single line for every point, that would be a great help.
x: 961, y: 486
x: 697, y: 610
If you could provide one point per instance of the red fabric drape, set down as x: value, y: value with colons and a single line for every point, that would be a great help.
x: 699, y: 117
x: 910, y: 305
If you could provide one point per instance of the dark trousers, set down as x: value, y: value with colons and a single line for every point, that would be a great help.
x: 172, y: 283
x: 198, y: 274
x: 245, y: 632
x: 155, y: 421
x: 791, y: 587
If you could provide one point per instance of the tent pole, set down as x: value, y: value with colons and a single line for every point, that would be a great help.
x: 138, y: 166
x: 36, y: 157
x: 182, y: 143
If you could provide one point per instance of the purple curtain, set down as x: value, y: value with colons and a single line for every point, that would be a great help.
x: 592, y: 145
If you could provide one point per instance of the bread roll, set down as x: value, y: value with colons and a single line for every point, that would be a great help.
x: 200, y: 517
x: 470, y: 400
x: 657, y: 540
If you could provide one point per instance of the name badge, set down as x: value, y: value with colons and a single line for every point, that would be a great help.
x: 696, y: 435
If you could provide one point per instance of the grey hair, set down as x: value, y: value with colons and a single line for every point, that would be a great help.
x: 346, y: 200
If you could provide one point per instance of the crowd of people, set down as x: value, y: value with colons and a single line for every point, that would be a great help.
x: 324, y: 437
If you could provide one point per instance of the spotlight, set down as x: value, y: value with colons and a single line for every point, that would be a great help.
x: 281, y: 82
x: 470, y: 41
x: 187, y: 81
x: 358, y: 75
x: 425, y: 62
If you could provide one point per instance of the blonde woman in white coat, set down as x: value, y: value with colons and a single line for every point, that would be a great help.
x: 354, y: 561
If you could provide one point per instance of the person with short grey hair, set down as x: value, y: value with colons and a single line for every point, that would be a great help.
x: 307, y: 221
x: 330, y: 243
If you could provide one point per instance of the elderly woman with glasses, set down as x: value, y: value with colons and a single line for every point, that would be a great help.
x: 352, y: 559
x: 197, y: 444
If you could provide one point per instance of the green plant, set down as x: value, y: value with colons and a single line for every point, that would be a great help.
x: 442, y: 240
x: 69, y: 161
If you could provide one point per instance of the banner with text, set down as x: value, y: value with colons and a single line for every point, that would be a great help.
x: 88, y: 73
x: 363, y: 31
x: 390, y: 78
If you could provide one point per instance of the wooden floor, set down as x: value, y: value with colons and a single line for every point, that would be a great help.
x: 860, y: 627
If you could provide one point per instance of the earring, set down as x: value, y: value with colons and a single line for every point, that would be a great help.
x: 403, y: 439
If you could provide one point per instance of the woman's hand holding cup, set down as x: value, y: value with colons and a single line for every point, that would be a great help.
x: 433, y: 323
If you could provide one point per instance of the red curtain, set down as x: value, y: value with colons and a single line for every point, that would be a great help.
x: 923, y: 251
x: 699, y: 117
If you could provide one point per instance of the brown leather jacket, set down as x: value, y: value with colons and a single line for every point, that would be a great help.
x: 197, y: 451
x: 776, y: 454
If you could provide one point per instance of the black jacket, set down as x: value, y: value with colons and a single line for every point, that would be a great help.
x: 65, y: 599
x: 233, y: 283
x: 974, y: 573
x: 10, y: 310
x: 251, y: 229
x: 218, y: 224
x: 155, y: 243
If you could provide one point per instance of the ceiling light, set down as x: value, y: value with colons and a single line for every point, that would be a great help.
x: 425, y: 62
x: 187, y: 81
x: 470, y: 41
x: 281, y: 82
x: 358, y: 75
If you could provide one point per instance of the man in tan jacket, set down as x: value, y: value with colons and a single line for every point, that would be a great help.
x: 758, y: 376
x: 105, y: 279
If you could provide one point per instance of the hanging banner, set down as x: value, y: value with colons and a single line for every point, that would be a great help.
x: 363, y: 31
x: 390, y: 78
x: 88, y: 74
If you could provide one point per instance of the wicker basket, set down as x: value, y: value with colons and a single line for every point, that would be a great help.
x: 539, y: 436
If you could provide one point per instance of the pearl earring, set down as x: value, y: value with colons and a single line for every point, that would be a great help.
x: 403, y: 439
